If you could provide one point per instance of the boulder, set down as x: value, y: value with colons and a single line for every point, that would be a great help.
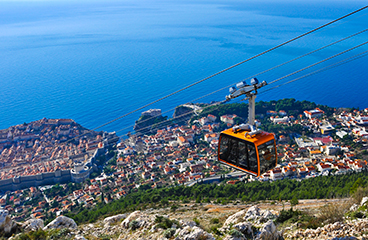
x: 364, y: 201
x: 244, y: 227
x: 229, y: 237
x: 354, y: 207
x: 33, y: 225
x: 233, y: 219
x: 193, y: 233
x: 266, y: 215
x: 113, y: 219
x: 61, y: 222
x: 137, y: 220
x: 252, y: 214
x: 187, y: 223
x: 131, y: 217
x: 79, y: 237
x: 7, y: 225
x: 269, y: 232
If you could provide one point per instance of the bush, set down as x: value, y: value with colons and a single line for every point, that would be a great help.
x: 334, y: 212
x: 165, y: 223
x: 168, y: 233
x: 134, y: 225
x: 357, y: 214
x: 214, y: 221
x: 287, y: 214
x: 174, y: 208
x: 196, y: 220
x: 34, y: 235
x: 236, y: 233
x: 59, y: 234
x: 294, y: 201
x: 359, y: 194
x: 215, y: 230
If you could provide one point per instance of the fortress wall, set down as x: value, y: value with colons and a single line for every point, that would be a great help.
x: 22, y: 182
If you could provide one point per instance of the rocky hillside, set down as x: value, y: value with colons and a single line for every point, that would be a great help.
x: 319, y: 219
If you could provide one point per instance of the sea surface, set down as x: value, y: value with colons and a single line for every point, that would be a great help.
x: 94, y: 61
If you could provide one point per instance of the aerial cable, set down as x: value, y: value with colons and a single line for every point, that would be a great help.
x: 306, y: 75
x: 306, y: 54
x: 270, y: 69
x: 222, y: 71
x: 288, y: 75
x: 231, y: 67
x: 349, y: 59
x: 314, y: 64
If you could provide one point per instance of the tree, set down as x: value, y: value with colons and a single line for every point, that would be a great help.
x: 294, y: 201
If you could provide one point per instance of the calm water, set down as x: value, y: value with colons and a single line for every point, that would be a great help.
x: 96, y: 60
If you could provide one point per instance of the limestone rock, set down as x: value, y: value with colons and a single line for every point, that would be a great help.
x: 266, y: 215
x: 364, y: 201
x: 244, y: 227
x: 61, y: 222
x: 142, y: 220
x: 229, y: 237
x: 33, y: 225
x: 269, y: 232
x: 131, y: 217
x: 354, y: 207
x: 79, y: 237
x: 252, y: 214
x: 187, y: 223
x: 6, y: 223
x: 194, y: 233
x: 113, y: 219
x: 233, y: 219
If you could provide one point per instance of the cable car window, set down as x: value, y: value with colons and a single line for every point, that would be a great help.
x: 253, y: 162
x: 243, y: 155
x: 228, y: 149
x: 267, y: 156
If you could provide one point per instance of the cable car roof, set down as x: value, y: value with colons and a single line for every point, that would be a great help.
x: 257, y: 139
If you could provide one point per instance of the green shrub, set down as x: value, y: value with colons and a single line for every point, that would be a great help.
x: 236, y: 233
x: 174, y: 208
x: 168, y: 233
x: 287, y: 214
x: 165, y: 223
x: 134, y: 225
x: 214, y: 229
x: 334, y: 212
x: 59, y: 234
x: 196, y: 220
x: 214, y: 221
x: 357, y: 214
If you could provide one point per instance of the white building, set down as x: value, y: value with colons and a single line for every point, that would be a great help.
x: 315, y: 113
x: 228, y: 118
x: 280, y: 120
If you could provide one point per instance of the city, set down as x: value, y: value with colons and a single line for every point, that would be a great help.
x: 102, y: 169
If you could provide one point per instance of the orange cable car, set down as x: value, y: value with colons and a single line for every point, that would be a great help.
x: 245, y: 147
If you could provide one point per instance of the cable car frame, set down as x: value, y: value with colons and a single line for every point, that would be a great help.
x: 245, y: 147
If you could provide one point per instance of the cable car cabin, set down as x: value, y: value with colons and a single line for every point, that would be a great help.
x: 254, y: 155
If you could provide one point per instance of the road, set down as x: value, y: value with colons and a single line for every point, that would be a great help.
x: 216, y: 178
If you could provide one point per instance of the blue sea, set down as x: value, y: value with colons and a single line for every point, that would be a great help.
x: 94, y: 61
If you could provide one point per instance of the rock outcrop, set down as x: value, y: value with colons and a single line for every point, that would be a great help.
x: 137, y: 220
x: 337, y: 230
x: 33, y: 225
x: 269, y: 232
x: 61, y: 222
x: 193, y: 233
x: 114, y: 219
x: 7, y: 225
